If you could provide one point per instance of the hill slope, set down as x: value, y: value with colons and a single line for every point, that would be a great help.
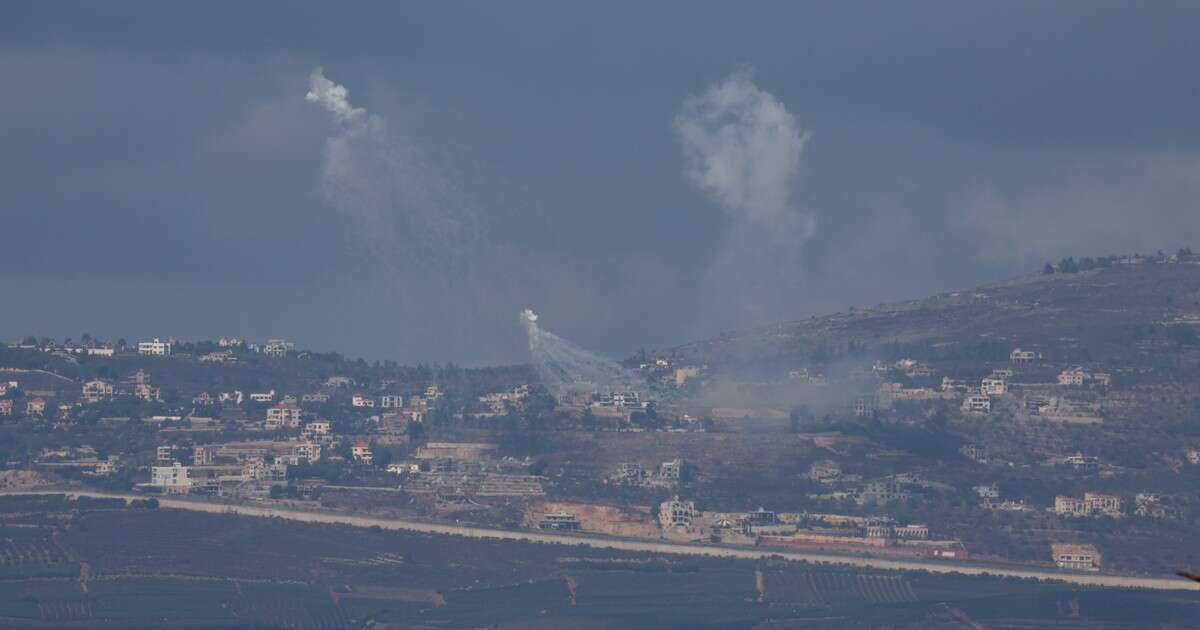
x: 1120, y: 313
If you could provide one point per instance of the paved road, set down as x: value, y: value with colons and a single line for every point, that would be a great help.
x: 624, y: 544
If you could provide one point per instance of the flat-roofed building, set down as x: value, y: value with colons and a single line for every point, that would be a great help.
x: 1077, y: 557
x: 155, y: 348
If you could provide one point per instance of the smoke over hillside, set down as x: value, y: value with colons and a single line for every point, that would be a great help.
x: 742, y: 148
x: 563, y: 366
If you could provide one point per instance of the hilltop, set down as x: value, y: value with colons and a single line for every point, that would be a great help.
x: 1124, y: 312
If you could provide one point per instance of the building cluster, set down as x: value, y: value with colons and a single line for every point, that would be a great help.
x: 500, y: 403
x: 666, y: 373
x: 667, y: 474
x: 1092, y: 504
x: 1077, y: 376
x: 680, y: 520
x: 231, y: 469
x: 458, y: 471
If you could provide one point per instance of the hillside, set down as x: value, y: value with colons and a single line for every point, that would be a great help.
x: 1121, y: 313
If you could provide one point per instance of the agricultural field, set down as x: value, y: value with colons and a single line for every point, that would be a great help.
x: 94, y: 564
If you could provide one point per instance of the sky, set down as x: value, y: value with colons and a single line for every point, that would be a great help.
x: 399, y: 180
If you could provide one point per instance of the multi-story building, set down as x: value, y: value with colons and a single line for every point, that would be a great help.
x: 165, y: 454
x: 1084, y: 463
x: 263, y: 397
x: 6, y: 407
x: 1022, y: 356
x: 391, y: 401
x: 317, y: 427
x: 671, y: 469
x: 173, y: 479
x: 912, y: 531
x: 358, y: 400
x: 1070, y: 506
x: 994, y: 386
x: 977, y: 403
x: 308, y: 451
x: 1106, y: 504
x: 1074, y: 376
x: 560, y: 520
x: 676, y: 514
x: 283, y: 415
x: 361, y: 451
x: 35, y: 407
x: 203, y: 455
x: 96, y: 390
x: 277, y: 347
x: 1078, y: 557
x: 1092, y: 504
x: 618, y: 399
x: 147, y: 392
x: 156, y: 348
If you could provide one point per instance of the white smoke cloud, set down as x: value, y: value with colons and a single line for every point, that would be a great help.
x: 742, y: 147
x: 334, y: 98
x: 406, y: 214
x: 564, y: 366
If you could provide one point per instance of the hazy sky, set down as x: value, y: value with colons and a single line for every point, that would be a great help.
x: 641, y: 174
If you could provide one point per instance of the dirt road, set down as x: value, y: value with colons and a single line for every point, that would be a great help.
x: 623, y: 544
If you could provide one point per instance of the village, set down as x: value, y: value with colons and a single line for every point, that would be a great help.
x: 386, y: 446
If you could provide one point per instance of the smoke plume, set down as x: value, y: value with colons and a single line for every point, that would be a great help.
x: 565, y: 367
x: 403, y: 212
x: 742, y: 147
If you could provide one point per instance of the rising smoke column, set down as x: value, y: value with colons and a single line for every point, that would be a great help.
x: 564, y: 366
x: 403, y: 212
x: 742, y: 147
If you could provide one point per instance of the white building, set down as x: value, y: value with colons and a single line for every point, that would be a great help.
x: 358, y: 400
x: 1074, y: 376
x: 97, y: 390
x: 308, y: 451
x: 156, y: 348
x: 262, y: 396
x: 286, y: 415
x: 277, y: 347
x: 993, y: 386
x: 391, y: 401
x: 1023, y: 356
x: 317, y: 427
x: 977, y: 403
x: 1084, y: 557
x: 991, y: 491
x: 172, y: 479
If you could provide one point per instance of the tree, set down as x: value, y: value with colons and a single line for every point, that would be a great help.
x: 1048, y: 269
